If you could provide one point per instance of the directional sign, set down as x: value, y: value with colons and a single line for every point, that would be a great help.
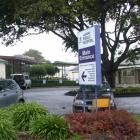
x: 83, y: 76
x: 89, y: 56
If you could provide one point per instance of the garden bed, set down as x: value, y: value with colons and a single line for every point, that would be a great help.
x: 31, y: 121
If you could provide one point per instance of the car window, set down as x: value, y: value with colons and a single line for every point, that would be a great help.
x: 18, y: 77
x: 26, y: 77
x: 103, y: 87
x: 89, y: 95
x: 7, y: 85
x: 87, y: 88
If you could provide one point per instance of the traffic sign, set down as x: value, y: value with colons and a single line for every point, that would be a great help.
x: 89, y: 56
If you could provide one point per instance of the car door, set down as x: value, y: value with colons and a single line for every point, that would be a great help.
x: 2, y: 99
x: 12, y: 92
x: 9, y: 94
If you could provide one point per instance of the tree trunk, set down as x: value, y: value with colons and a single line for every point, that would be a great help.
x: 110, y: 77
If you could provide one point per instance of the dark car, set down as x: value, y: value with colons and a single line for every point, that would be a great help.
x: 22, y: 80
x: 10, y: 92
x: 103, y: 91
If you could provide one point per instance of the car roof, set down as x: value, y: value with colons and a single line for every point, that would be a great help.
x: 19, y: 74
x: 6, y: 80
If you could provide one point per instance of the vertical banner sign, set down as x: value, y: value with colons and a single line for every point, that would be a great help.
x: 89, y: 56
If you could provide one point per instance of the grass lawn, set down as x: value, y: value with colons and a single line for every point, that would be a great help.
x: 137, y: 117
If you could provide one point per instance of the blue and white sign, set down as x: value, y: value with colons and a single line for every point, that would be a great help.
x: 89, y: 56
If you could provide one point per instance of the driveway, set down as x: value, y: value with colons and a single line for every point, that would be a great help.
x: 131, y: 104
x: 58, y: 103
x: 53, y: 98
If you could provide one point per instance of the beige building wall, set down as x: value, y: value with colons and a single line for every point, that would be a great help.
x: 2, y: 71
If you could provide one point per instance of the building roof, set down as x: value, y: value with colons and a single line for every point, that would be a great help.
x: 127, y: 64
x: 3, y: 61
x: 20, y: 58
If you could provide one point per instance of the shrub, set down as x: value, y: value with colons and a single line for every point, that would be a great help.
x: 7, y: 131
x: 52, y: 83
x: 129, y: 91
x: 115, y: 123
x: 4, y: 113
x: 51, y: 127
x: 25, y: 113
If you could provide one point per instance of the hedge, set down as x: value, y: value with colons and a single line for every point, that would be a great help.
x: 53, y: 83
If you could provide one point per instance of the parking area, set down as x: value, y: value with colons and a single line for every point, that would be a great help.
x: 58, y: 103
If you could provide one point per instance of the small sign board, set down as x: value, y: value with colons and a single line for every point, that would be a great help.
x: 89, y: 56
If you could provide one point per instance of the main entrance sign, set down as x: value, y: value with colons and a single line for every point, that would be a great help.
x: 89, y: 56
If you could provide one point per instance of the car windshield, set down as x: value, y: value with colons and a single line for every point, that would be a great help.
x: 102, y: 87
x: 6, y: 85
x: 90, y: 91
x: 18, y: 77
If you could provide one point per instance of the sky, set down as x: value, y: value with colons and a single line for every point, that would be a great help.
x: 50, y: 45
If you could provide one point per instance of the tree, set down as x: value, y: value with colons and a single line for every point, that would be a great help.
x: 37, y: 71
x: 50, y: 69
x: 68, y: 17
x: 36, y: 54
x: 41, y: 70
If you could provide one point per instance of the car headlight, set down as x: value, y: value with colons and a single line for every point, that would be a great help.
x: 78, y: 102
x: 111, y: 102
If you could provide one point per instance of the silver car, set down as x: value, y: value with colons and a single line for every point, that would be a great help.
x: 103, y: 91
x: 10, y: 93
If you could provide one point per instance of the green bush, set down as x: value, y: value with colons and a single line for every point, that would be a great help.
x: 128, y: 91
x: 53, y: 83
x: 4, y: 113
x: 25, y: 113
x: 7, y: 131
x: 51, y: 127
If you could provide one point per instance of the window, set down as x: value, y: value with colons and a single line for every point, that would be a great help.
x: 7, y: 85
x: 128, y: 72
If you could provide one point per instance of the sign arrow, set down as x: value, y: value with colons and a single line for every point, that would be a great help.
x: 83, y: 76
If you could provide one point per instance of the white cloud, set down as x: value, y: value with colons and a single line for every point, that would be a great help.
x: 48, y: 44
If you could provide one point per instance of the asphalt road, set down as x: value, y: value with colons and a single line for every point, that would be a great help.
x: 58, y: 103
x: 53, y: 98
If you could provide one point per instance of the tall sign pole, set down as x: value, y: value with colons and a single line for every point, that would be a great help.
x: 89, y: 57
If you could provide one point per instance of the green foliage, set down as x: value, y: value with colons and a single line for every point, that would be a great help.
x: 50, y: 69
x: 4, y: 114
x: 136, y: 117
x: 51, y: 127
x: 66, y: 18
x: 75, y: 137
x: 7, y: 131
x: 25, y: 113
x: 128, y: 91
x: 37, y: 71
x: 41, y: 70
x: 53, y: 83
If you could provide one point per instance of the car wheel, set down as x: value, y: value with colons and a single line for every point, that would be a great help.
x: 113, y: 107
x: 29, y: 86
x: 74, y: 110
x: 21, y: 101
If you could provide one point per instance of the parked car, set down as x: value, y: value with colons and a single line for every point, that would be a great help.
x: 22, y: 80
x: 10, y: 92
x: 103, y: 91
